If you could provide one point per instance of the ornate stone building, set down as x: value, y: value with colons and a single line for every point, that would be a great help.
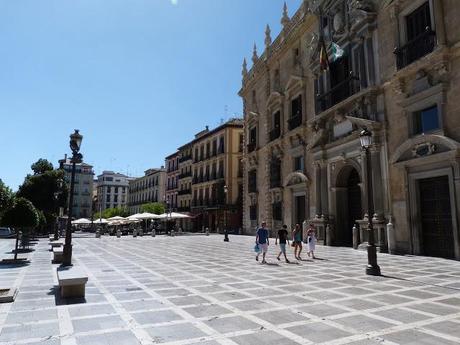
x: 393, y: 69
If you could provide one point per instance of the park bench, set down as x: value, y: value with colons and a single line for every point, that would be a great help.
x: 72, y: 281
x: 58, y: 254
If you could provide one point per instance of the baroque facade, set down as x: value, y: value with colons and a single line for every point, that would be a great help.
x: 393, y: 69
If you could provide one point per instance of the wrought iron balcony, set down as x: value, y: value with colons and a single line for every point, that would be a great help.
x: 295, y: 121
x: 184, y: 192
x: 275, y: 133
x: 338, y: 93
x: 415, y: 49
x: 185, y: 158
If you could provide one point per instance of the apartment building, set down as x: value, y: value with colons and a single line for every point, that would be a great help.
x: 146, y: 189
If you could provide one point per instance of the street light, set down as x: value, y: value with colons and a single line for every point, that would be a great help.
x: 168, y: 212
x: 372, y: 266
x: 225, y: 213
x: 75, y: 144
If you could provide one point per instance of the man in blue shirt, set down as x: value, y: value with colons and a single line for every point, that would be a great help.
x: 262, y: 241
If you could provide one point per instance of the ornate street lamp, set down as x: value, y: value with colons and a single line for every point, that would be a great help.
x: 75, y: 144
x: 372, y: 266
x: 225, y: 214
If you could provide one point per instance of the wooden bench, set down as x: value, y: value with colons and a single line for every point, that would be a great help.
x: 72, y: 281
x: 58, y: 254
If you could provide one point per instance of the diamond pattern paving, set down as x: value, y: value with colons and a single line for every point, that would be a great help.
x: 201, y: 290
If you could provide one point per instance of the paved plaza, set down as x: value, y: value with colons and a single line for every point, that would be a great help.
x: 201, y: 290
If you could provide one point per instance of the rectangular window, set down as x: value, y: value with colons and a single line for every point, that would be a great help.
x: 253, y: 212
x: 298, y: 163
x: 277, y: 211
x: 426, y: 120
x: 418, y: 21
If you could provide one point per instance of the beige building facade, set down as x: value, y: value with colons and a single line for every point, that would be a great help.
x: 146, y: 189
x: 393, y: 69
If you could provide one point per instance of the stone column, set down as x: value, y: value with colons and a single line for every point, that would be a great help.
x: 438, y: 12
x: 319, y: 210
x: 324, y: 190
x: 377, y: 182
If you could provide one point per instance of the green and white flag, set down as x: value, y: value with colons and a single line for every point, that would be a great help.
x: 337, y: 51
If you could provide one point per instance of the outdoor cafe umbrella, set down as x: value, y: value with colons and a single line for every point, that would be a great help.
x: 116, y: 218
x: 174, y: 215
x: 81, y: 221
x: 101, y: 221
x: 147, y: 215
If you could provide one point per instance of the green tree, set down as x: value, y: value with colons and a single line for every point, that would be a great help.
x: 22, y: 215
x: 41, y: 166
x: 47, y: 191
x: 153, y: 207
x: 112, y: 212
x: 6, y: 197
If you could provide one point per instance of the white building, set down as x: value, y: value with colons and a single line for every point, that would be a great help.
x: 83, y: 189
x: 112, y: 190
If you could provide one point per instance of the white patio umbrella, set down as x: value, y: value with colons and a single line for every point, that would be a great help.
x: 101, y: 221
x: 81, y: 221
x: 174, y: 215
x: 147, y: 215
x: 116, y: 218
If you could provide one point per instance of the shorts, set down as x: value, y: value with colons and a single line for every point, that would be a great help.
x: 283, y: 247
x: 263, y: 247
x: 298, y: 242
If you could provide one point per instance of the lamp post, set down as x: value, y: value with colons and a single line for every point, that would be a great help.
x: 168, y: 212
x: 75, y: 144
x: 225, y: 213
x: 372, y: 266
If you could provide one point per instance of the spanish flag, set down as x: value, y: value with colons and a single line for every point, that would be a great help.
x: 323, y: 58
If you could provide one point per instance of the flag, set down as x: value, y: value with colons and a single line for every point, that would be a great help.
x: 337, y: 52
x: 323, y: 58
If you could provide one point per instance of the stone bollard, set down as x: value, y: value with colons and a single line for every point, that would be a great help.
x: 355, y: 232
x: 172, y: 233
x: 391, y: 237
x: 118, y: 233
x: 153, y: 233
x: 239, y: 231
x: 134, y: 233
x: 141, y: 232
x: 180, y: 230
x: 226, y: 239
x: 207, y: 231
x: 98, y: 234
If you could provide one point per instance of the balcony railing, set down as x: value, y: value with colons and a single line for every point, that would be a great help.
x: 185, y: 158
x: 275, y: 133
x: 338, y: 93
x: 184, y: 175
x: 251, y: 147
x: 295, y: 121
x: 415, y: 49
x: 184, y: 192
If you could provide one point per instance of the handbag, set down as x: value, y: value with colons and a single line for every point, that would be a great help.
x: 256, y: 248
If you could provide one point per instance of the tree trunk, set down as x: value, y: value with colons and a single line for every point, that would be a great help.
x: 16, y: 247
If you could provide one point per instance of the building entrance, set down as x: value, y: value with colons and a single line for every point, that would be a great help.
x: 299, y: 209
x: 436, y: 217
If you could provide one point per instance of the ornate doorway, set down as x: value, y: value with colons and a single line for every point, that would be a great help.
x: 436, y: 217
x: 348, y: 204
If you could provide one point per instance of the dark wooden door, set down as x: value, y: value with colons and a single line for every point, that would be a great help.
x: 354, y: 206
x: 436, y: 217
x: 300, y: 209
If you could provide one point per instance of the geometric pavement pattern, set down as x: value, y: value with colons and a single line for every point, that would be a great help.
x: 200, y: 290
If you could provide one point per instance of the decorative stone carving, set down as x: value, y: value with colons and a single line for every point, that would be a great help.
x: 399, y: 86
x: 244, y: 72
x: 312, y: 45
x: 424, y: 149
x: 423, y: 81
x: 360, y: 5
x: 338, y: 22
x: 339, y: 116
x: 255, y: 57
x: 268, y: 37
x: 285, y: 18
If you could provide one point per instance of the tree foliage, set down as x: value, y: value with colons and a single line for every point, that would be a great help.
x: 6, y: 197
x: 112, y: 212
x: 22, y: 214
x: 41, y: 166
x: 153, y: 207
x: 42, y: 190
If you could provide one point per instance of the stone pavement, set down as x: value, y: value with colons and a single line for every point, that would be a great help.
x: 201, y: 290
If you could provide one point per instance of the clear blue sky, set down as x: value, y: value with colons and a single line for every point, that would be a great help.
x: 137, y: 77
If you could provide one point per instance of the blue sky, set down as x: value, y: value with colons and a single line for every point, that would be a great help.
x: 137, y: 77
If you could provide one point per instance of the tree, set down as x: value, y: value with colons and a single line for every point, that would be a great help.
x: 153, y: 207
x: 22, y: 215
x: 6, y: 197
x: 42, y: 191
x: 41, y: 166
x: 112, y: 212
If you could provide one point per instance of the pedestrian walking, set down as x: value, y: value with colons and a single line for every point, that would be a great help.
x: 297, y: 241
x: 283, y: 237
x: 311, y: 240
x: 262, y: 241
